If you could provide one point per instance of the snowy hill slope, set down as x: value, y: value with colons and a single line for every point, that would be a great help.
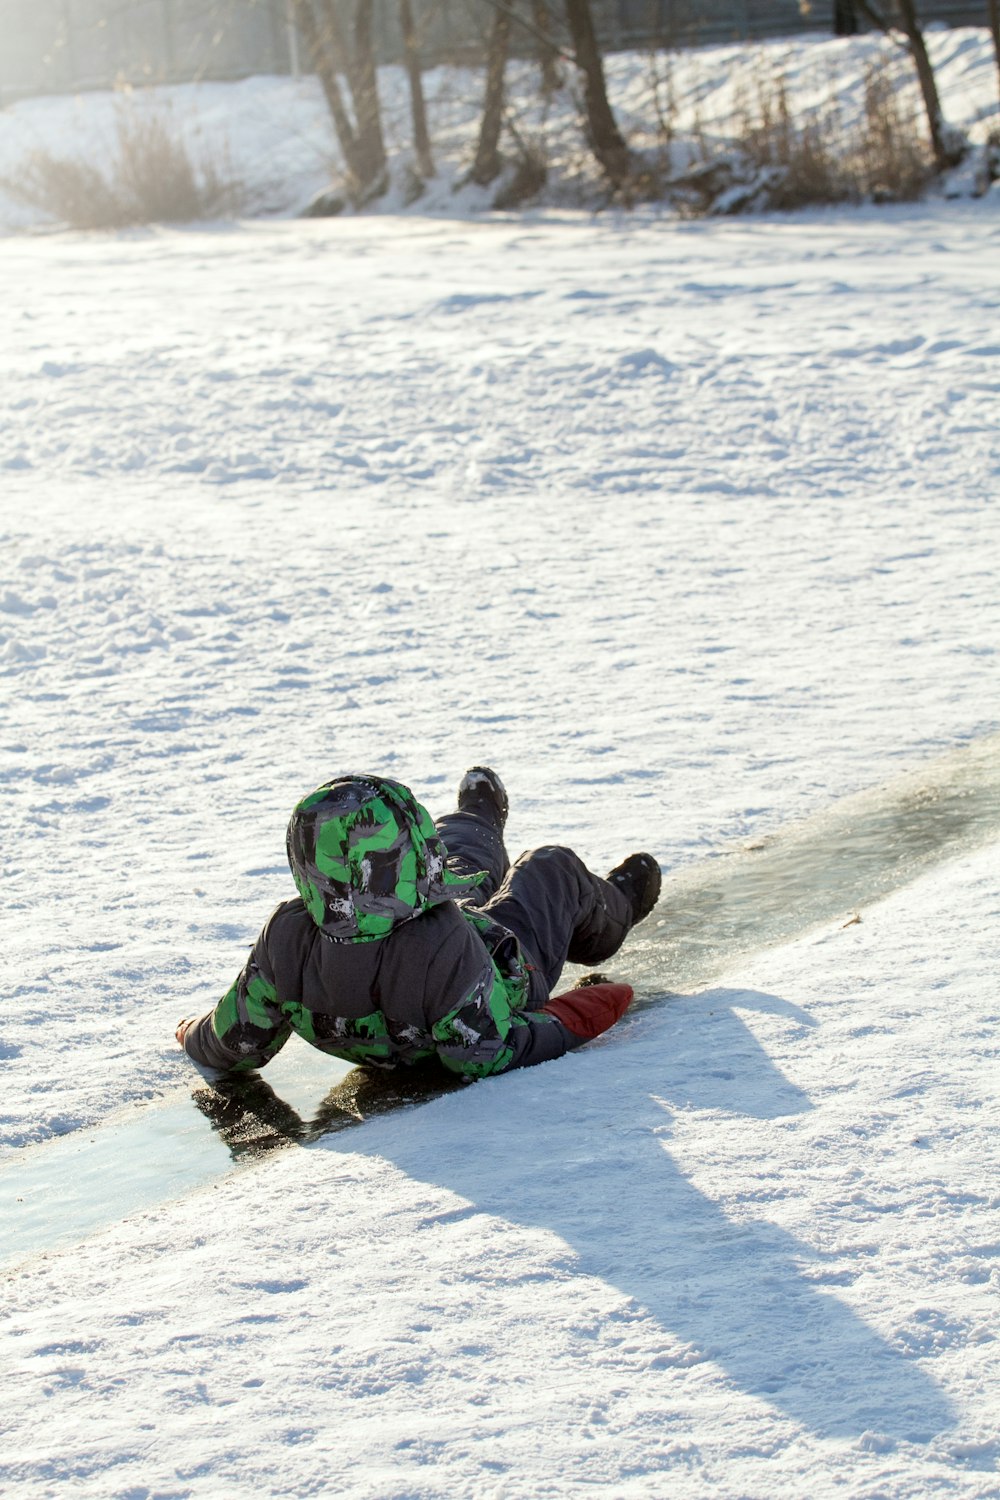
x: 691, y: 531
x: 745, y: 1246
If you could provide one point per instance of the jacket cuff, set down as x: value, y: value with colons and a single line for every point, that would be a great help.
x: 203, y: 1046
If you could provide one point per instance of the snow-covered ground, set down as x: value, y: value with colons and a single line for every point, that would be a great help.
x: 747, y: 1248
x: 690, y: 530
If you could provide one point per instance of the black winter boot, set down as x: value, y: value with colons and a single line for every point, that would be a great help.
x: 481, y: 791
x: 639, y: 878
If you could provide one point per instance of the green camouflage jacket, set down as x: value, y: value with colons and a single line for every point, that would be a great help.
x: 375, y: 962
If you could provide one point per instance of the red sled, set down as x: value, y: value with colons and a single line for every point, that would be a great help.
x: 592, y: 1008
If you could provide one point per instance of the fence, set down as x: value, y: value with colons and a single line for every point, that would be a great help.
x: 65, y: 46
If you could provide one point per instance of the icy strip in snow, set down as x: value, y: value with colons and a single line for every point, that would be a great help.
x: 823, y: 869
x: 828, y: 866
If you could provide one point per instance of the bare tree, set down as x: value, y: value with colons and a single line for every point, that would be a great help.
x: 487, y: 164
x: 845, y: 19
x: 994, y: 13
x: 362, y: 76
x: 418, y: 109
x: 605, y: 138
x: 548, y: 52
x: 326, y: 72
x: 903, y: 17
x: 333, y: 54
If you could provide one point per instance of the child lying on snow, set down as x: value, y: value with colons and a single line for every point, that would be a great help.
x: 376, y: 963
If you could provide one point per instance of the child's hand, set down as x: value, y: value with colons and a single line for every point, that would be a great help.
x: 181, y: 1031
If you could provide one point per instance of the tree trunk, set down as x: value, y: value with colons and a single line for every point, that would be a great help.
x: 360, y: 142
x: 845, y: 21
x: 487, y: 163
x: 907, y: 10
x: 317, y: 40
x: 411, y: 54
x: 994, y: 9
x: 548, y: 52
x: 909, y: 24
x: 363, y: 79
x: 602, y: 130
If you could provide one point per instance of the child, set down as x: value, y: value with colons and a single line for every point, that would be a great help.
x: 412, y: 940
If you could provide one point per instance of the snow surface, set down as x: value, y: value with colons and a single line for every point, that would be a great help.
x: 746, y: 1248
x: 689, y: 530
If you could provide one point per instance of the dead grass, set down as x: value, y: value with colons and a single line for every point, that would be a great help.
x: 892, y: 157
x: 803, y: 159
x: 525, y: 179
x: 771, y: 159
x: 818, y: 159
x: 153, y: 179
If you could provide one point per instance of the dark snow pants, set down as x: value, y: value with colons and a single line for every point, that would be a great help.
x: 557, y: 909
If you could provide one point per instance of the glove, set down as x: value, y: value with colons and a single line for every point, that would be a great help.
x: 591, y: 1008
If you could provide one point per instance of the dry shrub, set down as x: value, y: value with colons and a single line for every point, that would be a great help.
x: 71, y: 191
x: 153, y: 179
x: 660, y: 70
x: 785, y: 163
x: 802, y: 159
x: 891, y: 157
x: 526, y: 178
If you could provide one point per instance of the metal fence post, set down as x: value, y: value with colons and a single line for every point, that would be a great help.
x: 167, y: 18
x: 69, y: 52
x: 293, y: 39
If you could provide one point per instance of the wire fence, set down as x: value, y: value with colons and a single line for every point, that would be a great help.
x: 68, y: 46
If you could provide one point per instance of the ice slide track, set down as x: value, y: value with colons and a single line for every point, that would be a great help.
x: 823, y: 869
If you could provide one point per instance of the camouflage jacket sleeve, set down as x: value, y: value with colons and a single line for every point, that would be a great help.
x: 489, y: 1030
x: 474, y: 1048
x: 246, y: 1028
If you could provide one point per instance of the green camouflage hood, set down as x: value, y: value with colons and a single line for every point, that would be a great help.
x: 366, y: 856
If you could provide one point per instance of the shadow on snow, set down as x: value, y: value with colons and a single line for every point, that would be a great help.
x: 746, y: 1294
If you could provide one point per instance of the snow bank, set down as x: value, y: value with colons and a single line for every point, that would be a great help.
x: 274, y: 136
